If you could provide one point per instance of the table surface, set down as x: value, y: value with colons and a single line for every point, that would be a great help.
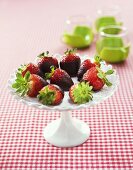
x: 28, y: 28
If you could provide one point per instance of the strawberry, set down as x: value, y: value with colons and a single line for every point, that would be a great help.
x: 80, y: 93
x: 70, y: 62
x: 29, y: 85
x: 51, y: 95
x: 45, y: 62
x: 86, y: 65
x: 97, y: 78
x: 32, y: 68
x: 60, y: 78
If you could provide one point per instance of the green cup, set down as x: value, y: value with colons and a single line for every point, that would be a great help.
x: 113, y: 48
x: 106, y: 16
x: 107, y: 21
x: 81, y: 37
x: 78, y: 32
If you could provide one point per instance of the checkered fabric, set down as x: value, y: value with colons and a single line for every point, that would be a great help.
x: 24, y: 32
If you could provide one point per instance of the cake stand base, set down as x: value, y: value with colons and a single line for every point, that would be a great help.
x: 66, y: 131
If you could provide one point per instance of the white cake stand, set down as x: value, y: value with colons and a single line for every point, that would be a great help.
x: 68, y: 131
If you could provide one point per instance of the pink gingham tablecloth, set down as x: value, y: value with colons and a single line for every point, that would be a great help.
x: 28, y: 28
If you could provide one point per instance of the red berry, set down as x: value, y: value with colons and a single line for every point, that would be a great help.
x: 51, y: 95
x: 86, y: 65
x: 29, y: 85
x: 45, y: 62
x: 97, y: 78
x: 60, y: 78
x: 36, y: 83
x: 32, y: 68
x: 91, y: 76
x: 70, y: 62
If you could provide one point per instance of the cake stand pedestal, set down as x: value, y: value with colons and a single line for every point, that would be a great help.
x: 66, y: 131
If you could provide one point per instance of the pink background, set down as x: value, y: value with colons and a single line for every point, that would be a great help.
x: 28, y: 27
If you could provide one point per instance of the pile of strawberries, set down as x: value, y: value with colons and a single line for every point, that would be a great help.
x: 47, y: 81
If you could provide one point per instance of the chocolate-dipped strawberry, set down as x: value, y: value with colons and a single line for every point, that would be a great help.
x: 60, y: 78
x: 70, y: 62
x: 46, y: 61
x: 32, y: 68
x: 86, y: 65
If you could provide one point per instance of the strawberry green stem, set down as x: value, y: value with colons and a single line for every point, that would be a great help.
x: 46, y: 96
x: 102, y: 75
x: 44, y: 54
x: 49, y: 75
x: 70, y: 51
x: 21, y: 83
x: 98, y: 59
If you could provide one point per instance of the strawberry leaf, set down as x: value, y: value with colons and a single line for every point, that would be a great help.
x: 49, y: 75
x: 15, y: 85
x: 102, y: 75
x: 46, y: 96
x: 107, y: 82
x: 44, y: 54
x: 98, y: 59
x: 27, y: 76
x: 109, y: 72
x: 24, y: 91
x: 82, y: 93
x: 40, y: 55
x: 21, y: 83
x: 19, y: 75
x: 71, y: 51
x: 21, y: 68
